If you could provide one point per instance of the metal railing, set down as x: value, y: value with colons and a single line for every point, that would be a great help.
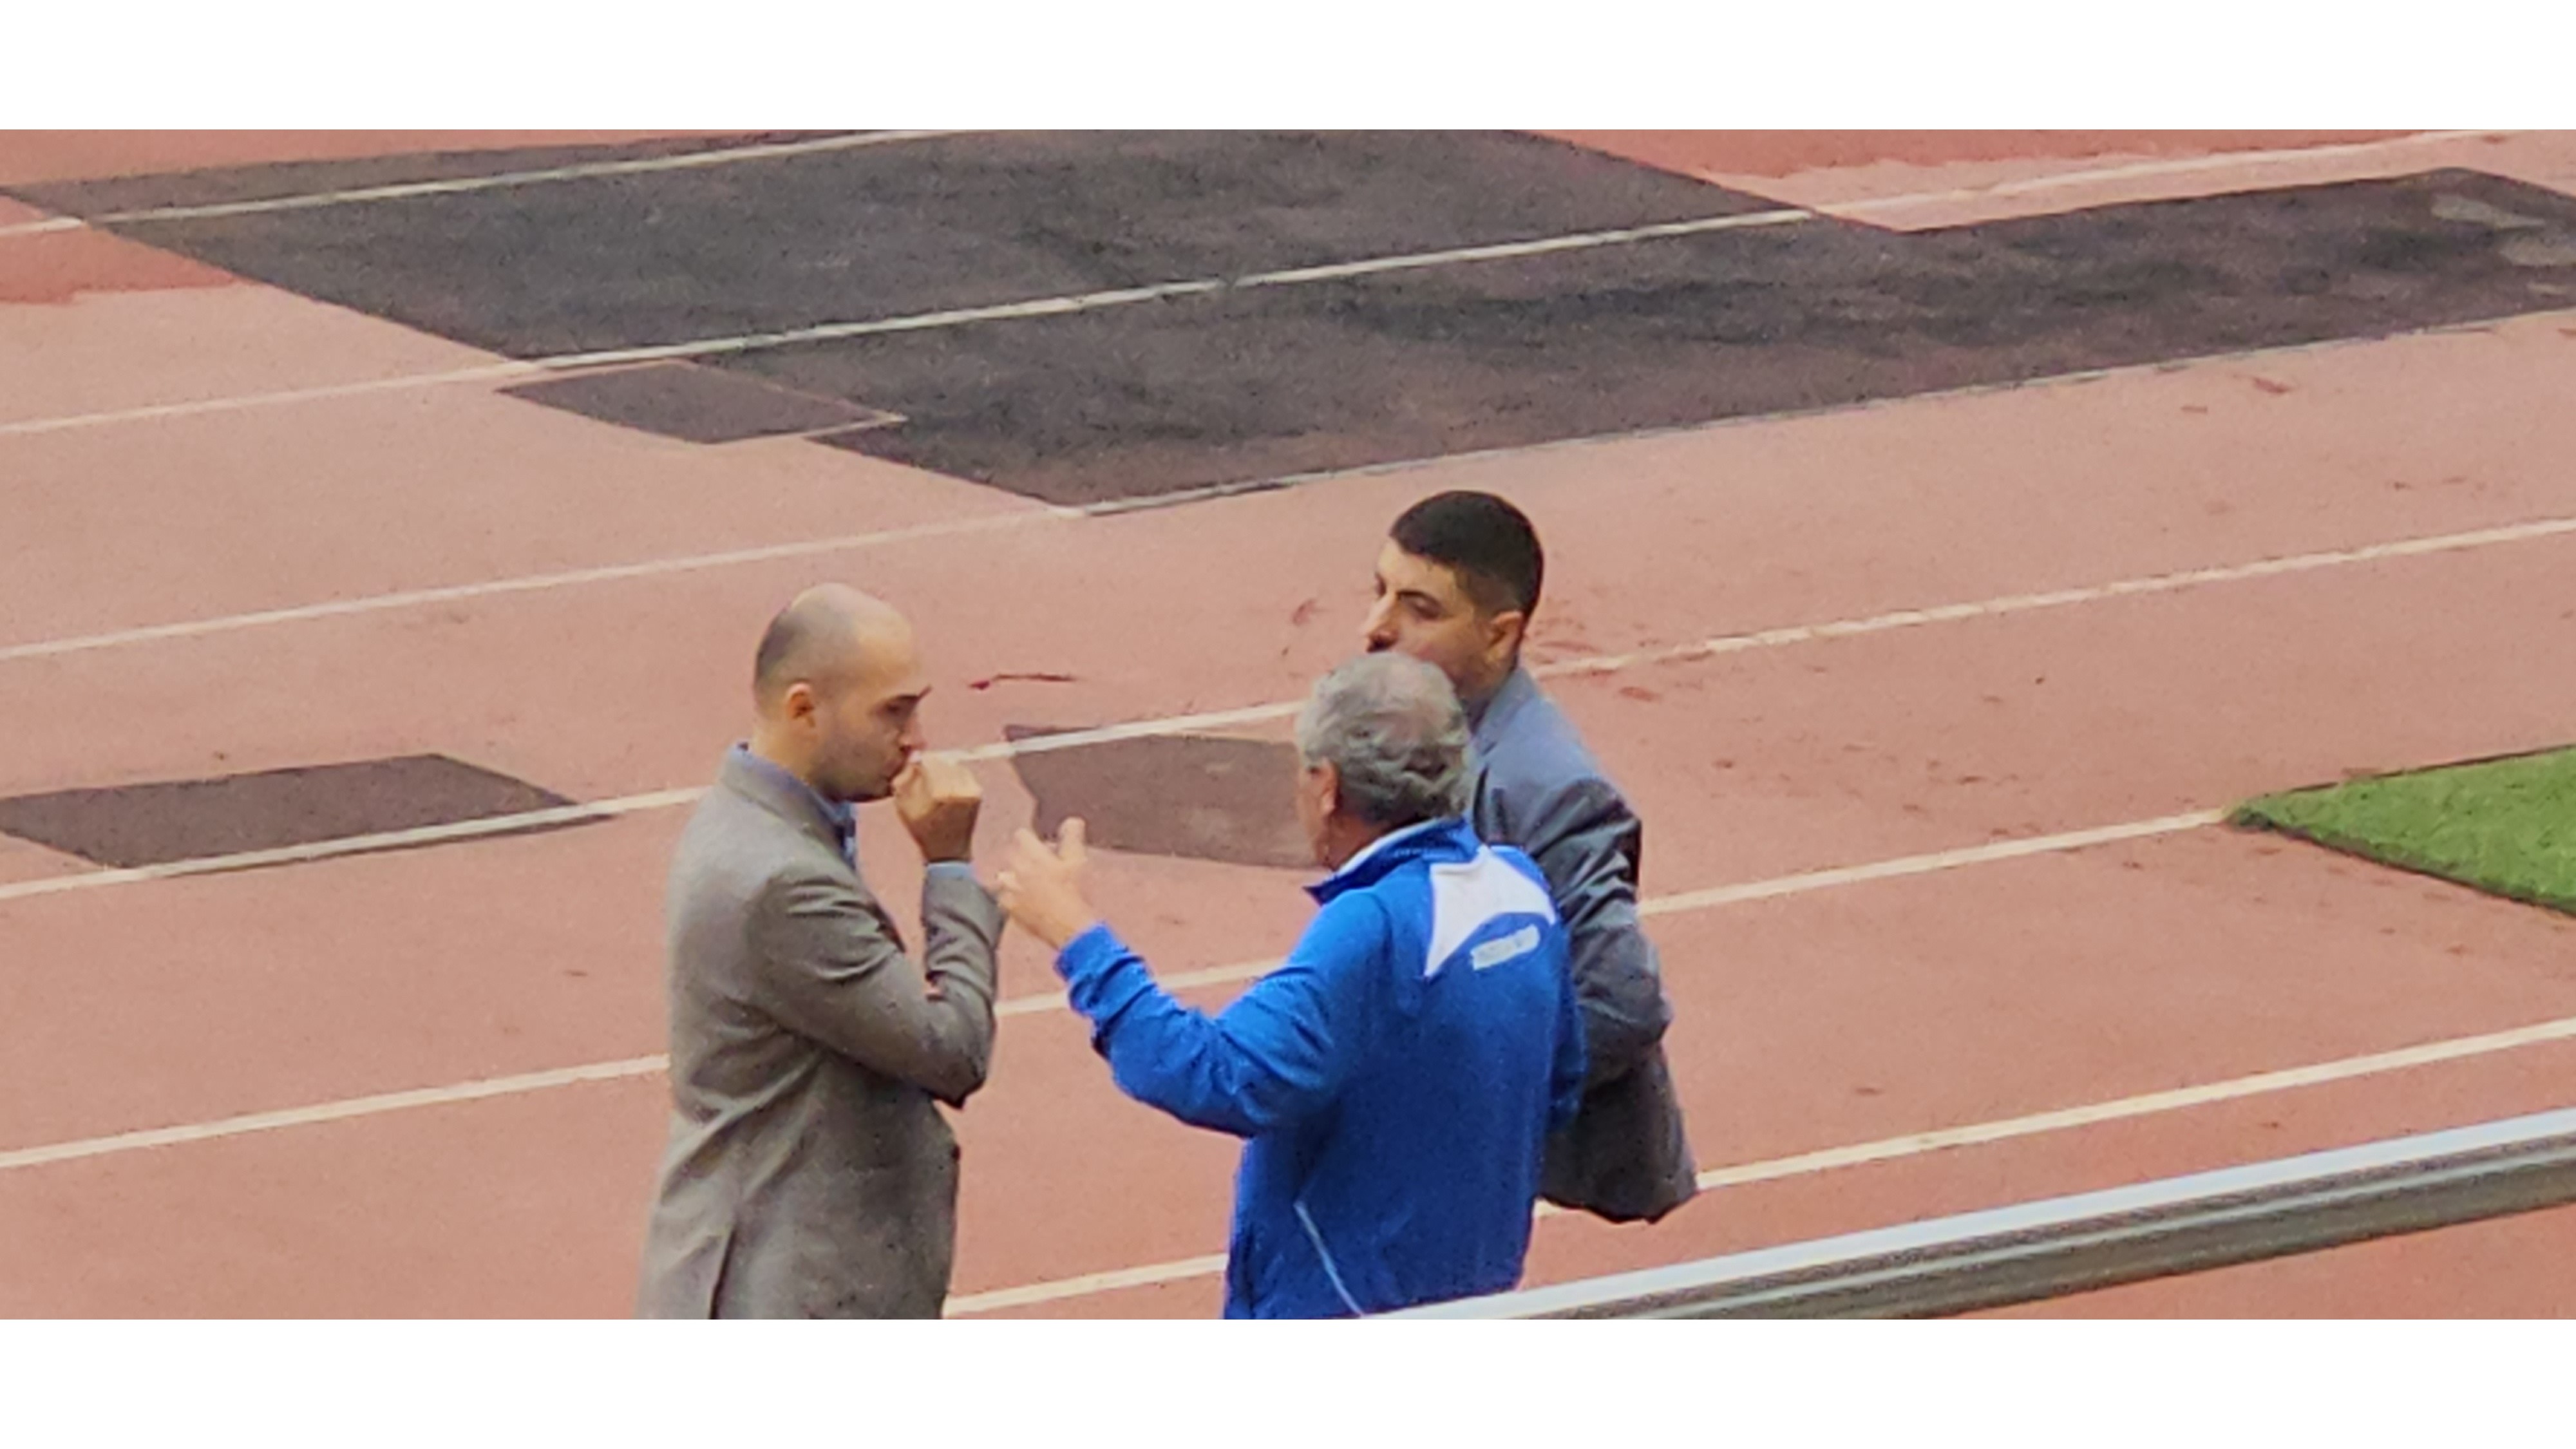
x: 2047, y: 1249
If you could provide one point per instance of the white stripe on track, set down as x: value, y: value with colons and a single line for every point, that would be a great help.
x: 1147, y: 1276
x: 39, y: 228
x: 1062, y: 305
x: 530, y: 583
x: 348, y: 845
x: 685, y: 563
x: 2148, y: 1104
x: 2166, y: 583
x: 925, y: 321
x: 1800, y: 883
x: 1254, y: 714
x: 502, y: 180
x: 1884, y: 1149
x: 719, y: 156
x: 1928, y: 864
x: 1892, y: 1148
x: 403, y: 382
x: 339, y: 1111
x: 2176, y: 166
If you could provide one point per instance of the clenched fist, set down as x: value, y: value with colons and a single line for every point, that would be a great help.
x: 938, y: 800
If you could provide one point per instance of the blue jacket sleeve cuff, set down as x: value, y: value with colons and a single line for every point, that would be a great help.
x: 1092, y: 951
x: 1103, y: 978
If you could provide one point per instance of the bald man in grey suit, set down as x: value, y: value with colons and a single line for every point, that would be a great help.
x: 809, y: 1173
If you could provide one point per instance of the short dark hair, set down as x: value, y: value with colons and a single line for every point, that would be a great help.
x: 1489, y: 542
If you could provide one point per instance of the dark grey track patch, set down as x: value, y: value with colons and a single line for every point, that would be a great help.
x: 697, y: 404
x: 154, y: 824
x: 1172, y: 396
x: 923, y: 226
x: 1240, y: 386
x: 1202, y: 797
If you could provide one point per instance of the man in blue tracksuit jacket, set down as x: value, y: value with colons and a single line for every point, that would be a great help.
x: 1397, y: 1076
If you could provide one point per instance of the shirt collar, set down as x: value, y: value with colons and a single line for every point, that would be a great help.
x: 1488, y: 720
x: 1386, y: 852
x: 836, y: 813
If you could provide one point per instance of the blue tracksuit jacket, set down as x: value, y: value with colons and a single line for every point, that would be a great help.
x: 1396, y: 1077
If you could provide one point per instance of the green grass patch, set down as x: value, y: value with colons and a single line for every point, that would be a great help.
x: 2504, y: 826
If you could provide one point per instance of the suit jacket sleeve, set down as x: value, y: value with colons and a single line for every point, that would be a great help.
x: 1281, y: 1052
x: 1586, y: 842
x: 830, y: 970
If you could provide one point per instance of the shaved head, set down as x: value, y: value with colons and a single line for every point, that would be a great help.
x: 836, y: 686
x: 821, y: 639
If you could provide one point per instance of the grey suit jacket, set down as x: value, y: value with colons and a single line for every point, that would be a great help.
x: 808, y: 1174
x: 1625, y: 1156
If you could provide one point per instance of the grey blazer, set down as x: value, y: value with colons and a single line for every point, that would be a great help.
x: 1625, y: 1156
x: 808, y: 1174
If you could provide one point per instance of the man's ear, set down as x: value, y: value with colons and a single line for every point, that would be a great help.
x: 797, y: 703
x: 1328, y: 796
x: 1505, y: 632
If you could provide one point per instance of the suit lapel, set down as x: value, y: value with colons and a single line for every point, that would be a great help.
x: 798, y: 810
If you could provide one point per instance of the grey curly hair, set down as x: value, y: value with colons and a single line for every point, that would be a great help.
x: 1390, y: 726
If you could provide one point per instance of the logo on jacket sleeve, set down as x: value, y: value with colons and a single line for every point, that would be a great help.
x: 1507, y: 948
x: 1467, y: 897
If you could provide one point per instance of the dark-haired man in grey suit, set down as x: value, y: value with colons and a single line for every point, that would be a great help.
x: 1456, y: 583
x: 808, y: 1173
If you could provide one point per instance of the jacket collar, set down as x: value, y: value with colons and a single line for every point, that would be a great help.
x: 1493, y: 719
x: 790, y: 799
x: 1437, y: 840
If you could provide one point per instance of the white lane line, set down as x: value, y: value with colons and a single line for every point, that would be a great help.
x: 918, y: 322
x: 402, y: 190
x: 2165, y: 583
x: 331, y: 1112
x: 1914, y: 1144
x: 2147, y: 1104
x: 2216, y: 161
x: 1884, y: 1149
x: 1804, y: 881
x: 926, y: 321
x: 1502, y: 251
x: 1939, y: 860
x: 1058, y: 306
x: 2176, y: 166
x: 349, y: 845
x: 1107, y: 508
x: 720, y: 156
x: 576, y: 814
x: 1259, y: 713
x: 994, y: 1300
x: 39, y: 228
x: 401, y: 382
x: 1799, y: 883
x: 532, y: 583
x: 1162, y: 291
x: 580, y: 813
